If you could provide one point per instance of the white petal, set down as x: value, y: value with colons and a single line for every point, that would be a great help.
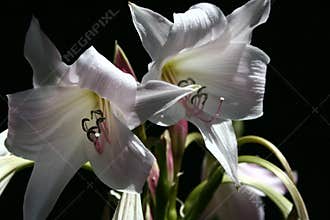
x: 154, y: 97
x: 45, y: 125
x: 244, y: 19
x: 43, y: 56
x: 228, y: 203
x: 93, y: 71
x: 202, y: 23
x: 221, y: 141
x: 125, y: 163
x: 47, y: 115
x: 129, y: 208
x: 152, y: 27
x: 54, y: 168
x: 236, y: 73
x: 169, y: 116
x: 3, y: 149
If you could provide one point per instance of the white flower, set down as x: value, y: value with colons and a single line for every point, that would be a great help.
x: 80, y: 113
x: 129, y: 207
x: 204, y: 47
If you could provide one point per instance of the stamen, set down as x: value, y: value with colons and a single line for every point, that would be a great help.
x: 97, y: 134
x: 216, y: 115
x: 96, y: 113
x: 194, y: 104
x: 186, y: 82
x: 84, y: 124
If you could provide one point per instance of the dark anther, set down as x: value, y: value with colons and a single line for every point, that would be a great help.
x: 194, y: 99
x: 96, y: 112
x: 98, y: 122
x: 186, y: 82
x: 191, y: 81
x: 84, y: 125
x: 203, y: 97
x: 183, y: 83
x: 199, y: 98
x: 200, y: 89
x: 91, y: 132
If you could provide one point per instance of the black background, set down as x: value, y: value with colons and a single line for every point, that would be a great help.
x: 296, y: 106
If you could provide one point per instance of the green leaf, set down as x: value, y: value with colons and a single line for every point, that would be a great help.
x: 297, y: 199
x: 263, y: 142
x: 200, y: 197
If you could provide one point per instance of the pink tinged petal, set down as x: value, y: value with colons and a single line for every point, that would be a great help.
x: 202, y: 23
x: 221, y: 142
x: 235, y: 72
x: 153, y: 179
x: 228, y: 203
x: 124, y: 163
x: 152, y: 28
x: 129, y: 207
x: 121, y: 61
x: 93, y: 71
x: 261, y: 175
x: 55, y: 166
x: 243, y: 20
x: 43, y: 56
x: 47, y: 115
x: 158, y: 96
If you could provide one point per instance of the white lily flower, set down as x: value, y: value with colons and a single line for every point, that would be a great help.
x: 80, y: 113
x: 129, y: 207
x: 202, y: 46
x: 226, y: 201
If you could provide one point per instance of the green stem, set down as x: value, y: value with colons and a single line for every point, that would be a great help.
x: 163, y: 187
x: 200, y: 197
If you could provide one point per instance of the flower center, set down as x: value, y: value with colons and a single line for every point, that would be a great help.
x: 99, y: 132
x: 194, y: 103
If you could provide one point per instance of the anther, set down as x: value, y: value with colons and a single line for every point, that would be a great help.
x: 96, y: 134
